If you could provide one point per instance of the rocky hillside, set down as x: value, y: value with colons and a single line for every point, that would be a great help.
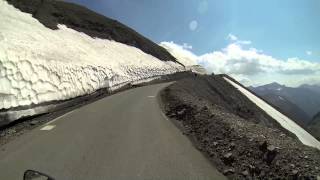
x: 287, y: 107
x: 237, y: 136
x: 315, y: 88
x: 51, y: 13
x: 314, y: 126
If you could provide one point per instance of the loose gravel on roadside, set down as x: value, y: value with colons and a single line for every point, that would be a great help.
x: 239, y: 140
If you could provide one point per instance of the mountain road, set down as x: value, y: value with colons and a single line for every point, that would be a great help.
x: 122, y: 136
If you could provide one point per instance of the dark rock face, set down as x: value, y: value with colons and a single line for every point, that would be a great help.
x: 233, y: 133
x: 217, y: 91
x: 314, y: 126
x: 228, y: 158
x: 228, y: 171
x: 287, y: 107
x: 51, y: 13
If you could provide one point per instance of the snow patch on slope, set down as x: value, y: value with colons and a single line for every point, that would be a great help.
x: 283, y: 120
x: 38, y: 64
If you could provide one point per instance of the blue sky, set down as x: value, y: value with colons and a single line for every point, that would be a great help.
x: 286, y: 28
x: 281, y: 29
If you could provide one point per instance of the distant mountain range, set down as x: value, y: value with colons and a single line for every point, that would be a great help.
x: 315, y: 88
x: 301, y: 103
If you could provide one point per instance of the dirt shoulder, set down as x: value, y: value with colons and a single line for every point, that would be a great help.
x: 241, y: 141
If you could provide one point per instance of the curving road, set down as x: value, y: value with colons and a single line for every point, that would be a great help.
x: 123, y: 136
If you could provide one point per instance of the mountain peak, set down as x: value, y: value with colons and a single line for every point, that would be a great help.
x: 273, y: 86
x: 314, y: 88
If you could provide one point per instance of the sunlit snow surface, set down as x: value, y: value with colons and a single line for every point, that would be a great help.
x: 38, y: 64
x: 284, y: 121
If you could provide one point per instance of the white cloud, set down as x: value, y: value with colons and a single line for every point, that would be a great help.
x: 232, y: 37
x: 251, y: 66
x: 235, y: 59
x: 309, y: 53
x: 181, y: 52
x: 244, y: 42
x: 186, y: 46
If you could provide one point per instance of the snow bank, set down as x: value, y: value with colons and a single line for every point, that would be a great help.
x: 284, y: 121
x: 38, y: 64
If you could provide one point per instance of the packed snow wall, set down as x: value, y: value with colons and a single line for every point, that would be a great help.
x: 38, y: 64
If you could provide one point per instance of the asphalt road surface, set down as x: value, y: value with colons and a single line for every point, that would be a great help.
x: 123, y: 136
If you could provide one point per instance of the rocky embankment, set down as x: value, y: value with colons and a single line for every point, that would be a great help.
x: 237, y: 136
x: 314, y: 126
